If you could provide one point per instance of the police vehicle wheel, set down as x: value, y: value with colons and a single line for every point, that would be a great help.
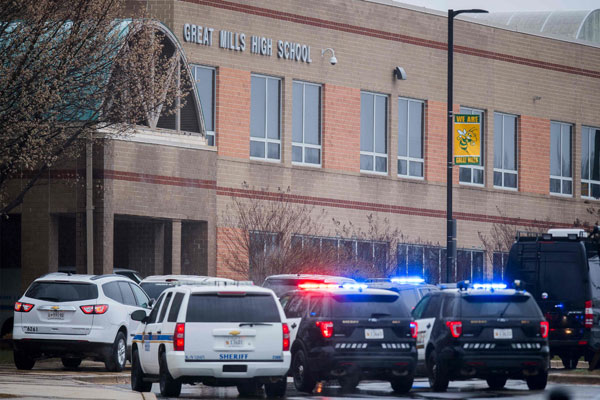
x: 403, y: 384
x: 137, y: 375
x: 169, y: 387
x: 437, y: 374
x: 23, y: 360
x: 304, y: 381
x: 569, y: 362
x: 118, y: 354
x: 348, y: 383
x: 71, y: 363
x: 249, y: 388
x: 538, y: 382
x: 496, y: 382
x: 276, y: 389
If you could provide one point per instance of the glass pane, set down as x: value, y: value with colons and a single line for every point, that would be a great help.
x: 312, y: 117
x: 380, y: 124
x: 415, y: 260
x: 210, y: 139
x: 313, y: 156
x: 555, y: 147
x: 584, y: 189
x: 478, y: 176
x: 297, y: 104
x: 380, y: 164
x: 273, y: 108
x: 415, y: 168
x: 464, y: 174
x: 510, y: 180
x: 510, y: 143
x: 566, y: 150
x: 463, y: 265
x: 401, y: 259
x: 497, y: 178
x: 554, y: 185
x: 415, y: 129
x: 296, y: 154
x: 257, y: 149
x: 402, y: 126
x: 273, y: 151
x: 205, y: 87
x: 257, y: 107
x: 585, y: 157
x: 402, y: 167
x: 595, y: 154
x: 497, y: 142
x: 567, y: 187
x: 595, y: 191
x: 365, y: 251
x: 366, y: 162
x: 366, y: 122
x: 478, y: 266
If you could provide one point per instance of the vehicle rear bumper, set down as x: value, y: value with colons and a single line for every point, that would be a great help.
x: 63, y: 348
x: 179, y: 367
x: 331, y: 363
x: 462, y: 363
x: 573, y: 346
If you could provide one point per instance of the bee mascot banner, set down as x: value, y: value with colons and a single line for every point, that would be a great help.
x: 467, y: 139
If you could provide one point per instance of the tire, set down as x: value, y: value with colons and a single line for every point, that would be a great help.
x: 349, y: 383
x: 304, y: 379
x: 249, y: 388
x: 437, y: 374
x: 71, y: 363
x: 23, y: 360
x: 496, y: 382
x: 537, y: 382
x: 118, y: 354
x: 169, y: 387
x: 403, y: 384
x: 137, y: 375
x: 569, y: 362
x: 276, y: 389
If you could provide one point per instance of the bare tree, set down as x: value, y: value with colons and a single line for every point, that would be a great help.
x: 68, y: 69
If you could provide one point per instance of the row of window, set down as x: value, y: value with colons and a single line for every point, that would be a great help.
x: 265, y: 136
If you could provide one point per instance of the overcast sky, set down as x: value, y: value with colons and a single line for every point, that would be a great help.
x: 507, y: 5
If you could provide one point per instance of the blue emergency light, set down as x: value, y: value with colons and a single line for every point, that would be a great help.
x: 489, y: 286
x: 408, y: 280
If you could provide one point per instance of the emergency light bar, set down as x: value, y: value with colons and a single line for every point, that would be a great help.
x: 312, y: 286
x: 354, y: 286
x: 489, y: 286
x: 413, y: 280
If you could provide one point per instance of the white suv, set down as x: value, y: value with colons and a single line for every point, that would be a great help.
x: 219, y: 335
x: 75, y: 317
x: 154, y: 285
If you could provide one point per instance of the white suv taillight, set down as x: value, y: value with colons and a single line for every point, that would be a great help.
x: 589, y: 315
x: 286, y: 337
x: 179, y: 337
x: 94, y: 309
x: 23, y: 307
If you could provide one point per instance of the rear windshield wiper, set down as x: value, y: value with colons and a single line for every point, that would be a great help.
x: 380, y: 314
x: 254, y: 323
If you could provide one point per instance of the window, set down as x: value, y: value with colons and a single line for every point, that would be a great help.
x: 163, y: 311
x: 505, y: 151
x: 252, y: 307
x: 112, y: 291
x: 499, y: 260
x: 473, y: 174
x: 128, y: 297
x: 142, y: 299
x: 154, y: 312
x: 174, y: 311
x: 590, y: 162
x: 410, y: 138
x: 265, y: 111
x: 262, y: 244
x: 428, y: 262
x: 205, y: 85
x: 561, y: 177
x: 469, y: 265
x: 373, y: 132
x: 306, y: 123
x: 59, y: 292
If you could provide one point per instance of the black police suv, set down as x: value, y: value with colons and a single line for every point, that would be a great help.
x: 561, y: 269
x: 350, y: 334
x: 482, y: 332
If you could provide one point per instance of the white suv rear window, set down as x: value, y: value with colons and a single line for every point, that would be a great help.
x: 250, y: 307
x: 62, y: 291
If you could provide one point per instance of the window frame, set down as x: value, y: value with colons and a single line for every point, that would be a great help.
x: 503, y: 170
x: 408, y: 158
x: 373, y: 153
x: 588, y: 181
x: 212, y: 133
x: 266, y: 140
x: 482, y: 135
x: 303, y: 145
x: 562, y: 178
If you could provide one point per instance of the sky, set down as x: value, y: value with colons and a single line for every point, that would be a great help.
x: 507, y: 5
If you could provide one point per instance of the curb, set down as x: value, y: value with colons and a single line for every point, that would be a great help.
x: 103, y: 379
x: 574, y: 379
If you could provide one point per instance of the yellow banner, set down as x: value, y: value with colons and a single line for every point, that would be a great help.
x: 467, y: 139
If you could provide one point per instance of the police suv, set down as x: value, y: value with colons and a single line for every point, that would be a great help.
x: 220, y: 334
x: 482, y: 331
x: 350, y: 333
x: 410, y: 289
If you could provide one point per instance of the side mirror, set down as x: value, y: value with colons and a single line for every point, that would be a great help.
x: 139, y: 315
x: 151, y: 303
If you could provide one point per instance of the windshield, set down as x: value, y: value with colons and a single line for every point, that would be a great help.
x: 62, y: 291
x: 154, y: 289
x: 367, y: 306
x: 499, y: 306
x: 251, y: 307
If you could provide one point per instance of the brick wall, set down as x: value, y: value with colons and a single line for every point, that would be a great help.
x: 229, y: 241
x: 435, y: 141
x: 534, y: 154
x: 233, y: 112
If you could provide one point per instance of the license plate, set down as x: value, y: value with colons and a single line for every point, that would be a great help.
x: 234, y: 342
x: 56, y: 315
x: 373, y: 333
x: 503, y: 334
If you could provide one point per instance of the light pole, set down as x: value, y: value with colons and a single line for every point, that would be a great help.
x: 450, y: 223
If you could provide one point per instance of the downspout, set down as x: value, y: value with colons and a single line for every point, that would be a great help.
x: 89, y: 206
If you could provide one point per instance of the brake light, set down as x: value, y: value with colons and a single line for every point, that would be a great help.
x: 286, y: 337
x: 455, y: 328
x: 589, y: 315
x: 179, y: 337
x: 414, y: 328
x: 94, y: 309
x: 544, y: 329
x: 23, y: 307
x: 326, y: 328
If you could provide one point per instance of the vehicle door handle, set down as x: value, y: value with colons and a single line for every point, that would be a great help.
x: 158, y: 332
x: 428, y: 326
x: 294, y: 325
